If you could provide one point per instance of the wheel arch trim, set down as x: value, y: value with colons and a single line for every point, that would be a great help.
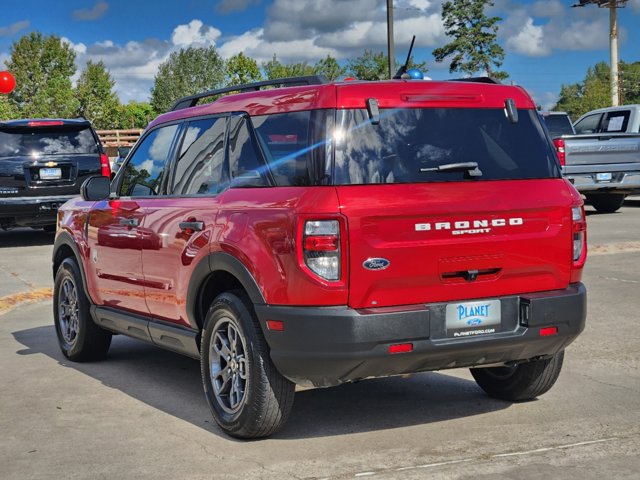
x: 219, y: 262
x: 65, y: 239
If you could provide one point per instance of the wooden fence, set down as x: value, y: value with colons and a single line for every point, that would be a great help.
x: 118, y: 138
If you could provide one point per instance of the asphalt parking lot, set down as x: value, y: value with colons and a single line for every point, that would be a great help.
x: 142, y: 414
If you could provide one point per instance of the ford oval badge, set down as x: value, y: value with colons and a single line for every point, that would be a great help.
x: 376, y: 263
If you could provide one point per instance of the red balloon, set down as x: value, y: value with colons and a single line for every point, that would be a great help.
x: 7, y: 82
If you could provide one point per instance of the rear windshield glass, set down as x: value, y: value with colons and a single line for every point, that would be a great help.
x: 408, y: 140
x: 558, y: 125
x: 46, y: 141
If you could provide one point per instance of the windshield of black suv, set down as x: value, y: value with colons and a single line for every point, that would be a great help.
x: 440, y: 144
x: 47, y: 141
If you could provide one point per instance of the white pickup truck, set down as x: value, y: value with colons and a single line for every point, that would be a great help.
x: 603, y: 159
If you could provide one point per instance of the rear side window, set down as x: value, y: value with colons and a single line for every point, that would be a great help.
x: 200, y: 164
x: 589, y: 124
x: 144, y: 171
x: 408, y: 140
x: 47, y: 141
x: 616, y: 122
x: 246, y: 166
x: 294, y: 145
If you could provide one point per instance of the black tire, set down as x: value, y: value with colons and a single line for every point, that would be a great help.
x: 80, y: 339
x: 525, y: 381
x: 263, y: 398
x: 606, y: 203
x: 49, y: 228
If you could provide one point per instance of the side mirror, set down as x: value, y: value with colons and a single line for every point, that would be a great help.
x: 95, y: 188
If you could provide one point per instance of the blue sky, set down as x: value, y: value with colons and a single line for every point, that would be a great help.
x: 547, y: 42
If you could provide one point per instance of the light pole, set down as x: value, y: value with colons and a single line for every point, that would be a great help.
x: 390, y: 53
x: 612, y: 5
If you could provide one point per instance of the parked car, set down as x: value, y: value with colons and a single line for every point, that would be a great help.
x: 122, y: 153
x: 321, y: 233
x: 43, y: 162
x: 558, y: 123
x: 603, y: 159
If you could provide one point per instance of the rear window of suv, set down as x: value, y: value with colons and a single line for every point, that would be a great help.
x: 408, y: 140
x: 47, y: 141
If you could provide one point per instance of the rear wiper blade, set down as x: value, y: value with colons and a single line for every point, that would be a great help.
x: 470, y: 167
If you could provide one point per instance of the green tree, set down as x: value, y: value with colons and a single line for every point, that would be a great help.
x: 329, y: 68
x: 629, y: 83
x: 375, y: 66
x: 595, y: 90
x: 135, y: 115
x: 274, y: 69
x: 241, y: 69
x: 98, y: 102
x: 474, y: 47
x: 7, y: 109
x: 187, y: 72
x: 43, y: 67
x: 369, y: 66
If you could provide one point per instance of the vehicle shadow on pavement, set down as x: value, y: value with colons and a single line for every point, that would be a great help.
x: 25, y: 237
x: 172, y: 384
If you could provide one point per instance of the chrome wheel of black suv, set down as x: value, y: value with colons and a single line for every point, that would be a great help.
x: 246, y: 394
x: 80, y: 339
x: 521, y: 382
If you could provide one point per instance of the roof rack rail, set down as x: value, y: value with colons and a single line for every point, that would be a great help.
x: 192, y: 100
x: 477, y: 80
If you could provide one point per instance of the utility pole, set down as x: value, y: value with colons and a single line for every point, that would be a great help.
x: 613, y: 51
x: 613, y: 6
x: 390, y: 48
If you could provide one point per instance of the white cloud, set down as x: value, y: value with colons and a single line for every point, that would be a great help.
x: 583, y: 31
x: 635, y: 4
x: 79, y: 48
x: 195, y: 33
x: 529, y: 40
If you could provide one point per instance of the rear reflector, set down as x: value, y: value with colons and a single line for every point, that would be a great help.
x: 548, y: 331
x: 54, y: 123
x: 401, y: 348
x: 275, y: 325
x: 321, y: 243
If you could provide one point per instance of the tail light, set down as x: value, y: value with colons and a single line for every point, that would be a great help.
x: 321, y: 248
x: 559, y: 144
x: 579, y: 229
x: 104, y: 166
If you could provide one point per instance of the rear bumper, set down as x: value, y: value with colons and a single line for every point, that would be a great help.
x: 30, y: 211
x: 324, y: 346
x: 620, y: 182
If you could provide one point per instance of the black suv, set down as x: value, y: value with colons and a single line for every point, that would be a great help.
x: 43, y: 162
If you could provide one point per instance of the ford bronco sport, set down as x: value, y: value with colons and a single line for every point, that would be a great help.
x: 320, y: 233
x: 43, y: 163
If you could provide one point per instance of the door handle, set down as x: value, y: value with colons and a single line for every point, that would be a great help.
x: 129, y: 222
x: 193, y: 226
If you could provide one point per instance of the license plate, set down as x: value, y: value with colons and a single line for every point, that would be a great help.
x: 603, y: 177
x: 469, y: 319
x: 50, y: 173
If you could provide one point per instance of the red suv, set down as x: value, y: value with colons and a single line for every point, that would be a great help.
x: 320, y: 233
